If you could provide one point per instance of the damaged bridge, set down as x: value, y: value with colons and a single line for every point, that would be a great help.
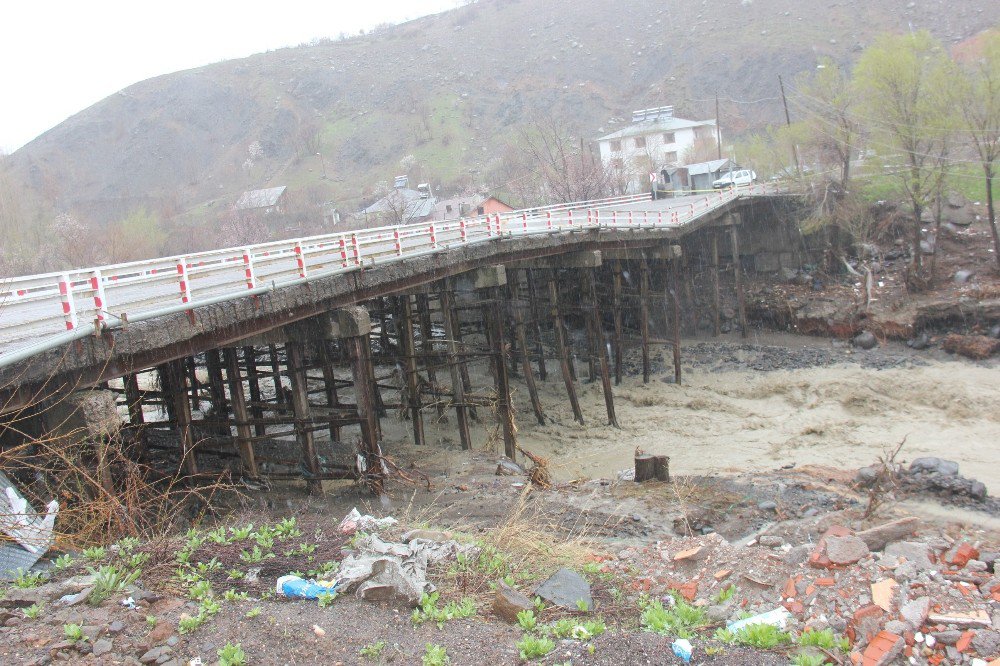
x: 282, y: 360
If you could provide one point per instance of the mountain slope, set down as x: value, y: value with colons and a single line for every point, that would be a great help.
x: 450, y: 90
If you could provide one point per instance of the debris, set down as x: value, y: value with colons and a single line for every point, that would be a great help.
x: 976, y: 347
x: 865, y: 340
x: 977, y: 618
x: 354, y: 521
x: 31, y: 532
x: 960, y: 555
x: 682, y: 648
x: 566, y: 588
x: 507, y: 467
x: 299, y: 588
x: 882, y: 649
x: 778, y: 617
x: 914, y: 552
x: 385, y: 571
x: 915, y: 612
x: 883, y: 592
x: 689, y: 554
x: 845, y: 549
x: 318, y: 630
x: 877, y: 538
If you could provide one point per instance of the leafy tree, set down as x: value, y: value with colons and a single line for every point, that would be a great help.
x: 830, y: 99
x: 906, y: 88
x: 979, y: 99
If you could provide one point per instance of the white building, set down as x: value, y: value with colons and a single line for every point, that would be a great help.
x: 655, y: 141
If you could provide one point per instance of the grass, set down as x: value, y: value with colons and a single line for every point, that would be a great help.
x: 372, y: 651
x: 534, y: 647
x: 435, y: 655
x: 825, y: 640
x: 428, y: 610
x: 232, y: 655
x: 34, y: 611
x: 682, y: 621
x: 74, y: 632
x: 109, y: 580
x: 807, y: 659
x: 27, y: 579
x: 761, y: 636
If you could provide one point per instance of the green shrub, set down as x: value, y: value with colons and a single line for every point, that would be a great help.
x: 682, y: 621
x: 435, y: 655
x: 534, y: 647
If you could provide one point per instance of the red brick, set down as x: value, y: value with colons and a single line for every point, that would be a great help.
x: 865, y: 623
x: 963, y: 643
x: 963, y: 554
x: 826, y: 582
x: 789, y: 589
x: 882, y: 649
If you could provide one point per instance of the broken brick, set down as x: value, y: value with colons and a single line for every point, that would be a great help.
x: 885, y: 647
x: 723, y: 574
x: 865, y: 623
x: 883, y: 592
x: 961, y: 555
x: 826, y: 582
x: 963, y: 643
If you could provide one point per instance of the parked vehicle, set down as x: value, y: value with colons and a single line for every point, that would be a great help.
x: 740, y: 178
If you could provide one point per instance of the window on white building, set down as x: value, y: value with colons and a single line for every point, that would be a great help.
x: 616, y: 146
x: 669, y: 137
x: 640, y: 142
x: 671, y: 157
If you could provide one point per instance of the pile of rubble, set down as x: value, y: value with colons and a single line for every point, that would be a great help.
x: 898, y: 598
x: 932, y: 476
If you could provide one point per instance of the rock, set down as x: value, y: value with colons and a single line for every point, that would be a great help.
x: 914, y: 552
x: 956, y: 200
x: 846, y: 549
x: 151, y: 656
x: 102, y: 647
x: 978, y: 491
x: 920, y: 342
x: 986, y: 643
x: 995, y: 331
x: 947, y: 637
x: 719, y: 612
x: 961, y: 277
x: 770, y: 541
x: 865, y: 340
x: 798, y: 554
x: 866, y: 476
x: 507, y: 467
x: 508, y: 602
x: 914, y: 613
x: 689, y: 554
x: 116, y: 627
x: 565, y: 588
x: 767, y: 506
x: 160, y: 633
x: 934, y: 466
x: 926, y: 247
x: 989, y: 558
x: 876, y: 538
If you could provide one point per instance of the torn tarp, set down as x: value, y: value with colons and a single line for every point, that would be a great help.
x: 388, y: 571
x: 30, y: 532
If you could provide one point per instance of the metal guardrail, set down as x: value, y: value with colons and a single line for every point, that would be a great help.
x: 39, y: 306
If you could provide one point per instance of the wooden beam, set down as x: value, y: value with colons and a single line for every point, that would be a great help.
x: 457, y: 384
x: 536, y: 324
x: 410, y: 367
x: 330, y: 384
x: 644, y: 316
x: 253, y: 384
x: 364, y: 391
x: 300, y: 407
x: 504, y: 408
x: 716, y: 298
x: 617, y: 305
x: 519, y: 330
x: 244, y: 434
x: 562, y: 351
x: 599, y: 348
x: 734, y: 236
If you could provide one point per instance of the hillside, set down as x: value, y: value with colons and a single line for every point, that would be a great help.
x: 450, y: 90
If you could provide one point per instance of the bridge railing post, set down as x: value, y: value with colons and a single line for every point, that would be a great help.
x: 343, y: 252
x: 355, y: 249
x: 397, y: 243
x: 300, y: 259
x: 463, y: 234
x: 433, y: 233
x: 100, y: 300
x: 524, y: 223
x: 184, y: 280
x: 548, y: 220
x: 248, y: 270
x: 68, y: 304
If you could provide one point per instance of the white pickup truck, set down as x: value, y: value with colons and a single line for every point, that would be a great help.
x: 740, y: 178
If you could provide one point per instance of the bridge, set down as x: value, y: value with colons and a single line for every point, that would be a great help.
x: 223, y: 342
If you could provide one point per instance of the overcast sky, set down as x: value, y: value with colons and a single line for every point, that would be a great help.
x: 58, y: 57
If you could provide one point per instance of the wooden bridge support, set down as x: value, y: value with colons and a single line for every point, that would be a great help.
x: 412, y: 382
x: 522, y: 344
x: 454, y: 363
x: 599, y: 346
x: 536, y: 316
x: 505, y: 410
x: 562, y: 349
x: 427, y: 349
x: 216, y: 383
x: 327, y: 359
x: 673, y: 286
x: 294, y: 353
x: 174, y: 379
x: 241, y: 415
x: 644, y: 316
x: 253, y: 385
x: 734, y: 236
x: 617, y: 306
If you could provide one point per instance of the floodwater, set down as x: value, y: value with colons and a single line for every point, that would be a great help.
x: 732, y: 418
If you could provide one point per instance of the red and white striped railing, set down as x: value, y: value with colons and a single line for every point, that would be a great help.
x: 37, y: 305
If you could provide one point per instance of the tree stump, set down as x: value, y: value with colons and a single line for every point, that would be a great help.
x: 661, y: 466
x: 645, y: 467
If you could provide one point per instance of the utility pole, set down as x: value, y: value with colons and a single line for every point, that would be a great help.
x: 788, y: 122
x: 718, y: 128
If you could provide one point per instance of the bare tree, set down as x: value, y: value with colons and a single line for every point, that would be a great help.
x: 565, y: 166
